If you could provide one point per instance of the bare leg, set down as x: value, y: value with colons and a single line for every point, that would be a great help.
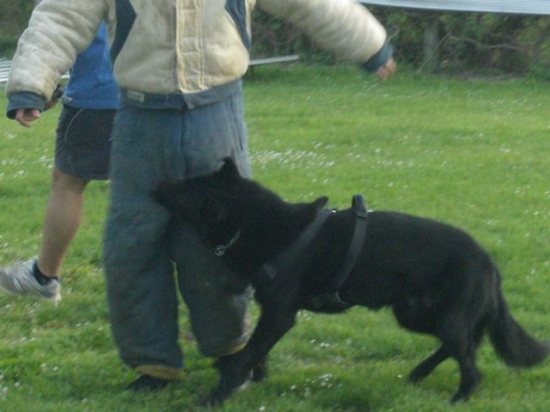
x: 61, y: 220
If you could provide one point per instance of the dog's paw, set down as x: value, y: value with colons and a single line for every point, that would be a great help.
x: 227, y: 385
x: 421, y: 372
x: 416, y: 376
x: 259, y: 372
x: 219, y: 395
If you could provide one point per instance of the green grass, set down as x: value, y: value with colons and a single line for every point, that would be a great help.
x: 470, y: 152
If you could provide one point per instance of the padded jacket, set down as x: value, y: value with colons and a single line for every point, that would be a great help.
x: 176, y: 47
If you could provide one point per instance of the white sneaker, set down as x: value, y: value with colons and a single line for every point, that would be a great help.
x: 19, y: 280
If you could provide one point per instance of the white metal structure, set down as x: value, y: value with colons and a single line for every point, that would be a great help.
x: 535, y: 7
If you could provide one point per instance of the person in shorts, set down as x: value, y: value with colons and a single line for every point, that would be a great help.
x: 82, y: 151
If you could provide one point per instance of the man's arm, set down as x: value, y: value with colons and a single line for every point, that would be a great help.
x: 57, y: 31
x: 342, y: 27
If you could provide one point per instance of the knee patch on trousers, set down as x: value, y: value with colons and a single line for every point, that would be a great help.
x: 159, y: 371
x: 219, y: 351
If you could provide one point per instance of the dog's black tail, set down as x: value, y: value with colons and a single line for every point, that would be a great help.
x: 511, y: 342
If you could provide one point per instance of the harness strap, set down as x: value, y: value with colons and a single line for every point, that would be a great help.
x: 293, y: 256
x: 332, y: 299
x: 360, y: 210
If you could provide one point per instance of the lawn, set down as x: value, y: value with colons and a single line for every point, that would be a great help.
x: 471, y: 152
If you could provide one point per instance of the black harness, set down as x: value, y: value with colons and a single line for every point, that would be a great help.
x: 293, y: 258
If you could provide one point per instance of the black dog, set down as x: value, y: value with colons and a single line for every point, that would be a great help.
x: 435, y: 277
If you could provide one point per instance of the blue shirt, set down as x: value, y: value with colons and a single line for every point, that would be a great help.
x: 91, y: 84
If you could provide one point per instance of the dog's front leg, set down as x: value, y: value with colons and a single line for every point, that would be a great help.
x: 235, y: 370
x: 233, y: 374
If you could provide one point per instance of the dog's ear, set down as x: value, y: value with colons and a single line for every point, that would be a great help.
x: 320, y: 203
x: 229, y: 170
x: 305, y: 213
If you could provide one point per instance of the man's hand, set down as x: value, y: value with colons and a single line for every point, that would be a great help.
x: 26, y: 116
x: 387, y: 70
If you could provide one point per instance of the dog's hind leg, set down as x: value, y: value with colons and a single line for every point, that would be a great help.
x: 427, y: 366
x: 470, y: 378
x: 461, y: 342
x: 417, y: 314
x: 465, y: 354
x: 469, y: 374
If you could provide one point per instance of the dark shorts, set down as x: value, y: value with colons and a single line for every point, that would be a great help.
x: 83, y: 142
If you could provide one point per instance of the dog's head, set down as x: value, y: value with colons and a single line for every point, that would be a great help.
x: 203, y: 201
x: 251, y: 223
